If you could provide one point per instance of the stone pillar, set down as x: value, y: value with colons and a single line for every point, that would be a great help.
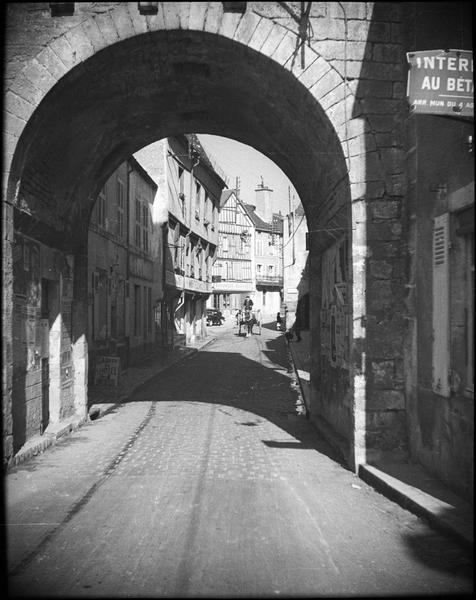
x: 80, y: 328
x: 7, y: 309
x: 359, y: 333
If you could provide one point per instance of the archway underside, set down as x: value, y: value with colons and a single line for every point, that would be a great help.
x: 157, y: 85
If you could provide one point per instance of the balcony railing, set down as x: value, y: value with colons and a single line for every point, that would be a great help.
x: 274, y: 280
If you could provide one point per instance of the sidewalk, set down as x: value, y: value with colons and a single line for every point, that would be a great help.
x: 103, y: 399
x: 407, y: 484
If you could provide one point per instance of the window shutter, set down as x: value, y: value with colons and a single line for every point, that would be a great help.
x: 441, y: 308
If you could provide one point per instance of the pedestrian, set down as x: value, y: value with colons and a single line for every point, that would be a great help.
x: 248, y: 303
x: 279, y: 322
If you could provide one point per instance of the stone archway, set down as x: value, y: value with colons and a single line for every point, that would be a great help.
x: 113, y: 82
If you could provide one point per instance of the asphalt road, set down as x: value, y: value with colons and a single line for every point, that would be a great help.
x: 210, y: 483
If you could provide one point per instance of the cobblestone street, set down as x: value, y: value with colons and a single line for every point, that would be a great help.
x: 211, y: 482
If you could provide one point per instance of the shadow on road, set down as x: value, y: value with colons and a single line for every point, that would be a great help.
x: 232, y: 379
x: 437, y: 552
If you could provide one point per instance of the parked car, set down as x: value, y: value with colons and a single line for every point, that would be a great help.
x: 214, y: 317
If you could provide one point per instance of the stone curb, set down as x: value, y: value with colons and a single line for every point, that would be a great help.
x: 436, y: 512
x: 39, y: 444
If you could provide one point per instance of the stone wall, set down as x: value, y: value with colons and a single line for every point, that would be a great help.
x: 85, y: 92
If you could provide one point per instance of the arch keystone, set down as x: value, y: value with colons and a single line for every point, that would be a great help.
x: 171, y: 15
x: 196, y: 18
x: 213, y: 17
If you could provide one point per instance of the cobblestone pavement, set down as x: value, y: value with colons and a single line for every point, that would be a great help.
x: 210, y: 482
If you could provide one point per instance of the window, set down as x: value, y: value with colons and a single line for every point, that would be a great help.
x: 258, y: 269
x: 225, y: 243
x: 145, y: 227
x: 181, y: 179
x: 137, y: 308
x: 138, y: 223
x: 243, y: 242
x: 101, y: 209
x: 120, y: 208
x: 259, y: 245
x: 206, y: 209
x: 198, y: 200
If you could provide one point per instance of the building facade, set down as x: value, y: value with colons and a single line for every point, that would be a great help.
x: 268, y: 252
x: 189, y: 192
x: 295, y: 268
x: 233, y: 272
x: 124, y: 268
x: 437, y: 373
x: 334, y: 121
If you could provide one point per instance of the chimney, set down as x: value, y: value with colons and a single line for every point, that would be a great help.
x: 264, y: 204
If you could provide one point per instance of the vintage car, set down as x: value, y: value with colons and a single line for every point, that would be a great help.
x: 214, y: 317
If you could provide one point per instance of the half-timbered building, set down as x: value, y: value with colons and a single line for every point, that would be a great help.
x: 233, y: 272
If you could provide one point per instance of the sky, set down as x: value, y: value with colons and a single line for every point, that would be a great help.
x: 239, y: 160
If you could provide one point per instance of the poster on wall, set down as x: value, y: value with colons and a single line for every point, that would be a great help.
x: 440, y: 82
x: 33, y: 287
x: 106, y: 370
x: 19, y: 279
x: 67, y: 274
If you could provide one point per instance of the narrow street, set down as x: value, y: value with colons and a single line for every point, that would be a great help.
x: 210, y: 483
